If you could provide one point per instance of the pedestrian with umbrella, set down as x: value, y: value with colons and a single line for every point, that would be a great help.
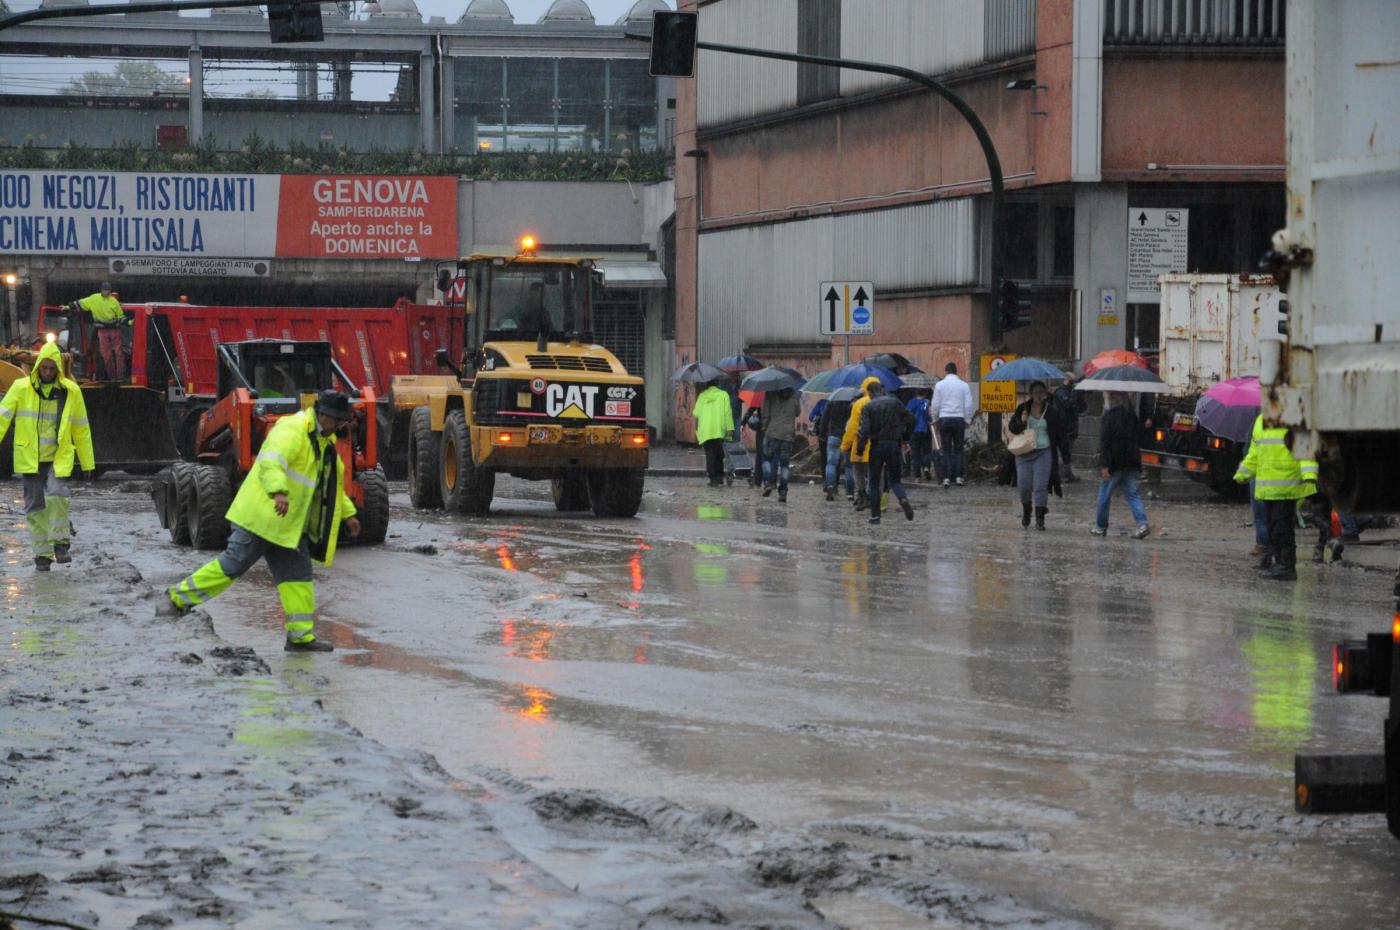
x: 884, y: 424
x: 1037, y: 428
x: 921, y: 442
x: 778, y: 420
x: 738, y: 366
x: 1228, y: 410
x: 714, y: 420
x: 1073, y: 406
x: 859, y: 458
x: 1119, y: 462
x: 830, y: 428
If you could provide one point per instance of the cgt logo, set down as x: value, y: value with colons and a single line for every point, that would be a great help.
x: 570, y: 400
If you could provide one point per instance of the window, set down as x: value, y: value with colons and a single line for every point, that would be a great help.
x: 582, y: 89
x: 633, y: 93
x: 1020, y: 241
x: 1062, y: 244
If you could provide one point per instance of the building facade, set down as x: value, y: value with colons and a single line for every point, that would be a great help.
x: 788, y: 176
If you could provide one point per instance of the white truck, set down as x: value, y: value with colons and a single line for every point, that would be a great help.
x: 1212, y: 328
x: 1335, y: 379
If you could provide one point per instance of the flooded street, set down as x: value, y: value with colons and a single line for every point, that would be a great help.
x: 950, y: 722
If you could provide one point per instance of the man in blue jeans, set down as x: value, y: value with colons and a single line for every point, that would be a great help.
x: 952, y: 407
x: 830, y: 429
x: 778, y: 421
x: 1119, y: 461
x: 884, y: 425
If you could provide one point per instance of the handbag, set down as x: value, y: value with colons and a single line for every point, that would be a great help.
x: 1022, y: 443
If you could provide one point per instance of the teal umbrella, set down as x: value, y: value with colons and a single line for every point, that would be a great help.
x: 1026, y: 369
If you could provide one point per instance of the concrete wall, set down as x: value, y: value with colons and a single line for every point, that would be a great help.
x: 1100, y: 261
x: 497, y: 213
x: 1196, y: 112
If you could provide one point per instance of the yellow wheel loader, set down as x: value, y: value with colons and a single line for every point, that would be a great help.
x: 532, y: 395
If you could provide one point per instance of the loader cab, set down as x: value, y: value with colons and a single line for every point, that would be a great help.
x: 278, y: 372
x: 523, y: 299
x: 76, y: 336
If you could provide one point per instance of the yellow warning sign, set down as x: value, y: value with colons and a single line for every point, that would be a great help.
x: 573, y: 412
x: 997, y: 396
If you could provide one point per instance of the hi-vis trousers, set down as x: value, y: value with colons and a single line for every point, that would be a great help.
x: 291, y: 570
x: 46, y: 509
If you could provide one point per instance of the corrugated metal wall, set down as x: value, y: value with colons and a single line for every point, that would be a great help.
x: 933, y: 36
x: 734, y: 87
x: 760, y: 283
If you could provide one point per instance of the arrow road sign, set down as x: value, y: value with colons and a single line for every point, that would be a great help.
x: 847, y: 308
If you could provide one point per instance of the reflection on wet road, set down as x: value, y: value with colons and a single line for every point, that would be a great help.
x: 1116, y: 718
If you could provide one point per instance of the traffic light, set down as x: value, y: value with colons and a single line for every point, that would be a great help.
x: 295, y: 21
x: 1015, y: 306
x: 673, y: 44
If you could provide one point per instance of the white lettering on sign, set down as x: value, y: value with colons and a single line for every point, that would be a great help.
x: 560, y: 399
x: 1157, y: 244
x: 370, y: 190
x: 622, y: 393
x: 617, y: 408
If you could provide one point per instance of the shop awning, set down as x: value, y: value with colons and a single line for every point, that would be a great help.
x: 632, y: 275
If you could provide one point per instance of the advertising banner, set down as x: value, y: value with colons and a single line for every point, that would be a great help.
x: 128, y: 213
x: 227, y: 215
x: 367, y: 217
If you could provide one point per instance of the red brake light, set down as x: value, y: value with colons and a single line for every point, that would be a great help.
x: 1338, y: 667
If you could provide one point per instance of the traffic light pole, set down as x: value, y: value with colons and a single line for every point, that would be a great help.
x: 984, y: 139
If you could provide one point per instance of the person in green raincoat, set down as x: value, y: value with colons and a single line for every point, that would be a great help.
x: 51, y: 429
x: 714, y: 422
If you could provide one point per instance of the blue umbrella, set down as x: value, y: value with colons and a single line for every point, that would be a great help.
x: 852, y: 376
x: 1026, y: 369
x: 740, y: 362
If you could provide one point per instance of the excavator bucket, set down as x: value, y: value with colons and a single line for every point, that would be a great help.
x: 130, y: 428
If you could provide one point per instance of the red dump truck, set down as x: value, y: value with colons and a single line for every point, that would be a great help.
x: 173, y: 363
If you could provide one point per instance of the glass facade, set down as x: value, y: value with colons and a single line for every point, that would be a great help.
x: 554, y: 105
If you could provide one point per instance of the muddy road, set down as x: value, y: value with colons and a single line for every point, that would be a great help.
x: 730, y: 710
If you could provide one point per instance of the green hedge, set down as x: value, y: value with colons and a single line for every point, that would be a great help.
x: 256, y: 156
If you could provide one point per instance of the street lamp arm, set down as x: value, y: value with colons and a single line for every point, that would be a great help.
x: 160, y: 6
x: 984, y: 139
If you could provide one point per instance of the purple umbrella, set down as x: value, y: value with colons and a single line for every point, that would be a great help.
x: 1229, y: 408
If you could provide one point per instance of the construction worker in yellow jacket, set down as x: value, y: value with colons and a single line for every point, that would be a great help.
x: 859, y: 459
x: 1280, y: 481
x: 51, y: 427
x: 111, y: 322
x: 288, y: 511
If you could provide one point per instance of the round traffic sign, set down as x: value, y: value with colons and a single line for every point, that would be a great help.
x: 537, y: 385
x: 861, y: 316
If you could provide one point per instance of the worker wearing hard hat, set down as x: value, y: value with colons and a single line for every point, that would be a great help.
x: 51, y: 427
x: 289, y: 512
x: 1280, y: 481
x: 111, y: 320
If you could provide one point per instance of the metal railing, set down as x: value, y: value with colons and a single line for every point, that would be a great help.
x: 1194, y: 22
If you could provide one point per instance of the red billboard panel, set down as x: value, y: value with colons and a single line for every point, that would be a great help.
x: 367, y: 217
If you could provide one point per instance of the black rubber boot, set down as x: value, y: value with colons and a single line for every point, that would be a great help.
x: 42, y: 563
x: 61, y: 553
x: 1026, y: 515
x: 1040, y: 513
x: 315, y: 645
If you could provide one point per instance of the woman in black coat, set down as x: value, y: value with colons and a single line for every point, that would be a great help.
x: 1037, y: 471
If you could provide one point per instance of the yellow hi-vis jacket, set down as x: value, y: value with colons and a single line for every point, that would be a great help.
x: 848, y: 439
x: 105, y: 310
x: 21, y: 407
x: 714, y: 418
x: 1277, y: 475
x: 287, y: 464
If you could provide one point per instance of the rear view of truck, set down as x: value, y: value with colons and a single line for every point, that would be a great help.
x: 1335, y: 380
x: 1212, y: 327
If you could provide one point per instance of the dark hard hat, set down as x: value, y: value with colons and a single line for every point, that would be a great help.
x: 105, y: 286
x: 334, y: 404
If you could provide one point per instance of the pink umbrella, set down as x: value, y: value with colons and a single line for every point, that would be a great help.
x: 1228, y: 409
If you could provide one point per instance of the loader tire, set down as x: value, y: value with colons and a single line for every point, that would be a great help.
x: 616, y: 492
x: 423, y: 454
x: 465, y: 488
x: 374, y: 515
x: 178, y: 494
x: 208, y: 503
x: 570, y: 492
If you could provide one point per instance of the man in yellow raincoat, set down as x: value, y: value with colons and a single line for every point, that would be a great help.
x: 859, y: 459
x: 288, y: 511
x: 51, y: 427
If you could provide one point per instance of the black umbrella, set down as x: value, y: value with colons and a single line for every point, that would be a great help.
x: 700, y: 373
x: 771, y: 379
x: 892, y: 361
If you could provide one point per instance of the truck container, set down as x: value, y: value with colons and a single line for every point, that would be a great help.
x: 1335, y: 381
x: 1212, y: 328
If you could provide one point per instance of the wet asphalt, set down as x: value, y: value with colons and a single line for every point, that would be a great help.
x: 945, y: 722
